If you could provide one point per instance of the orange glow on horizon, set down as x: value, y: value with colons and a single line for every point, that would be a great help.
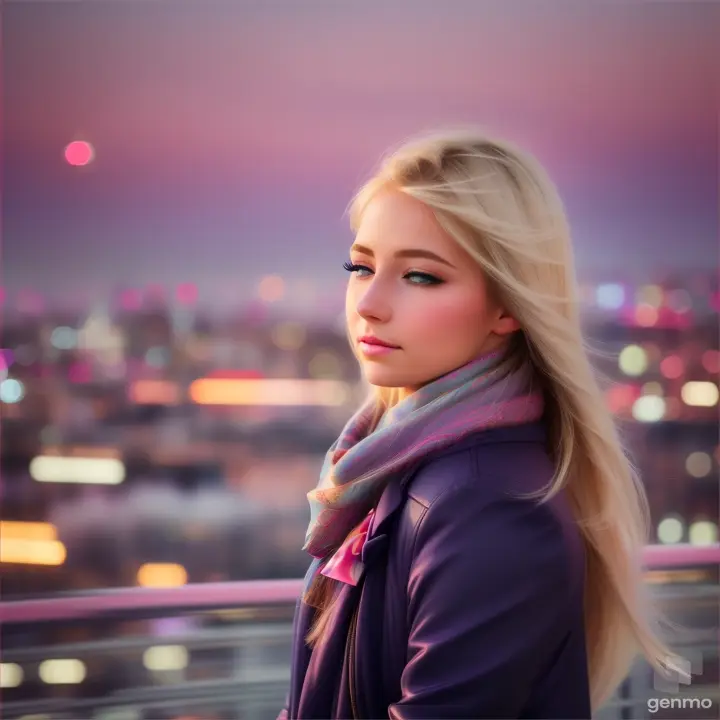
x: 221, y: 391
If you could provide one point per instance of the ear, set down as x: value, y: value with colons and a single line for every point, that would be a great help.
x: 505, y: 324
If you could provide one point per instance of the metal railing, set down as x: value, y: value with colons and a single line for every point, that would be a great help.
x: 222, y: 650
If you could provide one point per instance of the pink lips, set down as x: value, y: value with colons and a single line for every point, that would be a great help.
x: 374, y: 347
x: 375, y: 350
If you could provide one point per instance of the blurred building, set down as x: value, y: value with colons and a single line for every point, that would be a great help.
x: 147, y: 441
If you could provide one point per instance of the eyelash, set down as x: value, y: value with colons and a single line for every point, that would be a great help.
x: 431, y: 279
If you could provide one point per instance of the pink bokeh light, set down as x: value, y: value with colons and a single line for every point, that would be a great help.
x: 79, y: 153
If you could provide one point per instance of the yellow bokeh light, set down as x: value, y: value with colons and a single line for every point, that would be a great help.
x: 649, y: 408
x: 82, y: 470
x: 650, y: 295
x: 633, y: 360
x: 165, y: 658
x: 21, y: 551
x: 11, y: 675
x: 21, y: 530
x: 700, y: 394
x: 703, y: 532
x: 162, y: 575
x: 670, y: 530
x: 62, y: 671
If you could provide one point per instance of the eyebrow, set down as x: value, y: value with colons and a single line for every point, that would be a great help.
x: 407, y: 253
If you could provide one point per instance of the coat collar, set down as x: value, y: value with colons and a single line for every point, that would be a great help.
x: 393, y: 496
x: 390, y: 501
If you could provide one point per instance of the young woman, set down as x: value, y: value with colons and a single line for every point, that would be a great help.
x: 477, y: 527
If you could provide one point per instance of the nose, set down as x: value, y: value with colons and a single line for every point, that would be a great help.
x: 372, y: 303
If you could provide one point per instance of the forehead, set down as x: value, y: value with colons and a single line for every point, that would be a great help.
x: 393, y: 221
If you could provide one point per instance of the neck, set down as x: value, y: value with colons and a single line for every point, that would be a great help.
x: 495, y: 344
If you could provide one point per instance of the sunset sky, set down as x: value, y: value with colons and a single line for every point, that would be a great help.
x: 229, y: 136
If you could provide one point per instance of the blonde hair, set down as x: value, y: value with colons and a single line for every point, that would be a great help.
x: 498, y: 203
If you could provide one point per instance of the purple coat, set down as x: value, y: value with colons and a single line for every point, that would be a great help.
x: 471, y: 604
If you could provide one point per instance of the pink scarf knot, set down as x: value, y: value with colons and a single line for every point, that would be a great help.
x: 345, y: 565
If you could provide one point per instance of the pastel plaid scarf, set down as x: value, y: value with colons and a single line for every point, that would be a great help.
x: 485, y: 393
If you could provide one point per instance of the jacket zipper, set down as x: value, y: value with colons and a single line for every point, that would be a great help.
x: 351, y: 661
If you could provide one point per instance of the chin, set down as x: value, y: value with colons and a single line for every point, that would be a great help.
x: 390, y: 380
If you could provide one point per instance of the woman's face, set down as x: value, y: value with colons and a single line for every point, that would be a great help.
x: 415, y: 289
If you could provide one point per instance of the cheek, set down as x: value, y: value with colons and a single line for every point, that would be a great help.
x: 457, y: 316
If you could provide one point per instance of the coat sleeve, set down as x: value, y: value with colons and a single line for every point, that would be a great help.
x: 487, y: 592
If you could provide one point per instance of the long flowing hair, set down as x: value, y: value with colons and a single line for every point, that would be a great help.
x: 497, y: 202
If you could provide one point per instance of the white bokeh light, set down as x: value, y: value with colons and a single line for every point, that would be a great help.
x: 11, y: 391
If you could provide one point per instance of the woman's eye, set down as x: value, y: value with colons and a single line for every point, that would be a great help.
x: 420, y: 278
x: 353, y: 267
x: 415, y: 278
